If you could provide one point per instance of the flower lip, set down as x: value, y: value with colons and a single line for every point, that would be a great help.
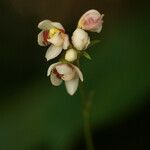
x: 45, y: 37
x: 66, y: 72
x: 53, y: 34
x: 62, y: 31
x: 49, y: 34
x: 51, y: 67
x: 49, y: 30
x: 58, y: 75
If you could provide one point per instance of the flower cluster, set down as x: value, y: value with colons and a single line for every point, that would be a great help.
x: 53, y: 35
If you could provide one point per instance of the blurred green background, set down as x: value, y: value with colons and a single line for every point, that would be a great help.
x: 34, y: 115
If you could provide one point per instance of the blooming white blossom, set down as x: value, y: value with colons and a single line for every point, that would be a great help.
x: 80, y: 39
x: 68, y: 73
x: 52, y: 33
x: 92, y: 21
x: 71, y: 55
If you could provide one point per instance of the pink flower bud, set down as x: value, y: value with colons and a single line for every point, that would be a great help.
x: 92, y: 21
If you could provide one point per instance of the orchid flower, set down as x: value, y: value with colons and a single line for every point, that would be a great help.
x: 92, y: 21
x: 52, y: 33
x: 68, y: 73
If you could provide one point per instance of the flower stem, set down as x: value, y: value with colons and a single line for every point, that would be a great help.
x: 87, y: 117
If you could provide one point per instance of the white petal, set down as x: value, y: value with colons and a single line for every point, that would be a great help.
x: 98, y: 30
x: 45, y: 25
x: 72, y: 85
x: 51, y: 67
x: 56, y: 40
x: 78, y: 72
x: 57, y: 25
x: 52, y: 52
x: 64, y: 69
x: 66, y: 41
x: 54, y: 80
x: 80, y: 39
x: 40, y: 39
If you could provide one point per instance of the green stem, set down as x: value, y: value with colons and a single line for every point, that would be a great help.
x: 86, y: 100
x: 87, y: 118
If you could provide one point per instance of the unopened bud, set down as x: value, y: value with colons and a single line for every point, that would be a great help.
x: 80, y: 39
x: 71, y: 55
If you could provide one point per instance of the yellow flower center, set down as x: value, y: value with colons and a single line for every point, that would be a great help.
x: 53, y: 31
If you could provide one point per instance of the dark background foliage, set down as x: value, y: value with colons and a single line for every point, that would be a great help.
x: 34, y: 115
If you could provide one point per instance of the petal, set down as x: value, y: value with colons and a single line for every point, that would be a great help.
x: 72, y: 85
x: 64, y: 69
x: 40, y: 39
x: 45, y: 25
x: 66, y: 41
x: 67, y: 71
x: 57, y: 25
x: 92, y: 21
x: 52, y: 52
x: 80, y: 39
x: 51, y: 67
x: 54, y: 80
x: 88, y: 43
x: 78, y: 72
x: 98, y: 30
x: 57, y: 40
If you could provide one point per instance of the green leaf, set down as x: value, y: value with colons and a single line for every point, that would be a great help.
x: 93, y: 42
x: 86, y: 55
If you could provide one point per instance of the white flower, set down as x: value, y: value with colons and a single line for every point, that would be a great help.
x: 80, y: 39
x: 92, y: 20
x: 52, y: 33
x: 71, y: 55
x: 68, y: 73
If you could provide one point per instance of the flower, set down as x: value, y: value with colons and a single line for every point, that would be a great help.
x: 80, y: 39
x: 68, y: 73
x: 71, y: 55
x: 52, y: 33
x: 92, y: 21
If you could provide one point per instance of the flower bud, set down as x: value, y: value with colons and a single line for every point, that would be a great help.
x: 80, y: 39
x: 92, y: 21
x: 71, y: 55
